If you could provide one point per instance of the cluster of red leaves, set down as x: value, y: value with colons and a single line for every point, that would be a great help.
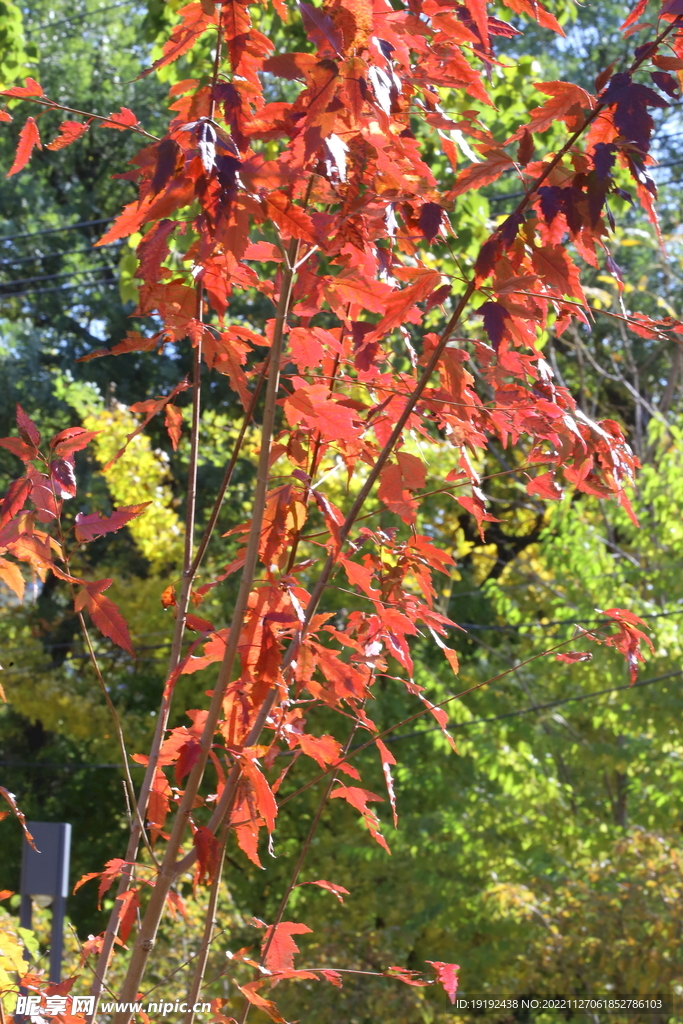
x: 37, y: 497
x: 325, y: 206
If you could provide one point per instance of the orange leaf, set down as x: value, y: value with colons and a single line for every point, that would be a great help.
x: 477, y: 175
x: 121, y: 120
x: 263, y: 794
x: 111, y: 869
x: 28, y: 138
x: 130, y: 902
x: 30, y: 88
x: 249, y: 990
x: 563, y: 96
x: 69, y: 132
x: 534, y: 10
x: 104, y: 613
x: 336, y: 890
x: 388, y: 760
x: 554, y: 266
x: 10, y: 573
x: 174, y: 424
x: 667, y: 62
x: 194, y: 22
x: 132, y: 219
x: 208, y: 854
x: 359, y: 798
x: 291, y: 219
x: 402, y: 301
x: 12, y: 801
x: 282, y: 947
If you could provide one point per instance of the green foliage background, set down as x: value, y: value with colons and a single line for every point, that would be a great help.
x: 545, y: 855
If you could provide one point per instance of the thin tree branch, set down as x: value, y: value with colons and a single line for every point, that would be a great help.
x: 229, y: 469
x: 209, y: 925
x: 53, y: 105
x: 130, y: 789
x: 138, y: 830
x: 147, y: 935
x: 427, y: 710
x: 298, y: 866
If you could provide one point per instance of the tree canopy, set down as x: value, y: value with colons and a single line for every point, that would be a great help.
x: 544, y: 855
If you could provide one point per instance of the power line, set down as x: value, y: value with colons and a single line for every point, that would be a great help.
x: 46, y: 669
x: 506, y: 195
x: 53, y: 231
x: 561, y: 622
x: 78, y: 17
x: 66, y: 645
x: 537, y: 707
x: 418, y: 732
x: 58, y: 288
x: 52, y: 277
x: 55, y: 253
x: 73, y: 767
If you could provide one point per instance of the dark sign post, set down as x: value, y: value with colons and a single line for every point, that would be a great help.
x: 45, y: 880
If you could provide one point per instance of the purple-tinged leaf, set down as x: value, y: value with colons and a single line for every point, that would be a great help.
x: 27, y: 428
x: 494, y: 315
x: 317, y: 22
x: 488, y: 257
x: 168, y: 152
x: 437, y: 297
x: 509, y: 229
x: 365, y: 353
x: 552, y: 200
x: 666, y: 82
x: 631, y: 100
x: 525, y: 150
x: 430, y: 220
x: 604, y: 155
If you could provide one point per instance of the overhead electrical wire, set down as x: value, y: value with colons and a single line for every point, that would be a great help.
x: 54, y: 254
x: 52, y: 277
x: 538, y: 707
x: 55, y: 231
x: 78, y: 17
x: 562, y: 622
x: 59, y: 288
x: 421, y: 732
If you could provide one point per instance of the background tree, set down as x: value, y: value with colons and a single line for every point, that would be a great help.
x: 521, y: 582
